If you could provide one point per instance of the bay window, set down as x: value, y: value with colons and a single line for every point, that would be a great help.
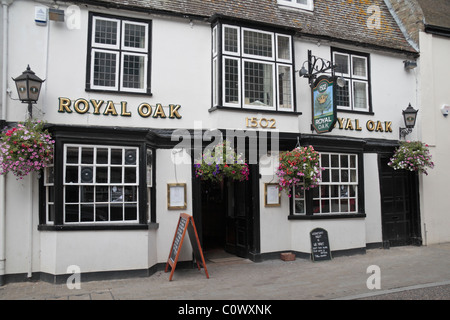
x: 252, y: 69
x: 98, y: 183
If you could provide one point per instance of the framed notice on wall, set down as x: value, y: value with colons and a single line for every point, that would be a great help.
x: 272, y: 195
x: 176, y: 196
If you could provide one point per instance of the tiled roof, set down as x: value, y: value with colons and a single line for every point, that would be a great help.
x: 436, y: 12
x: 344, y: 20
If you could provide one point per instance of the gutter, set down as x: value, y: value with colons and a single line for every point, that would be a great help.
x: 437, y: 30
x: 5, y: 4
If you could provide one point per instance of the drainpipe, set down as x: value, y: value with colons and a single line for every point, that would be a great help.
x: 5, y: 4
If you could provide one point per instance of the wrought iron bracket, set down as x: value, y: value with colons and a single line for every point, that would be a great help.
x: 316, y: 65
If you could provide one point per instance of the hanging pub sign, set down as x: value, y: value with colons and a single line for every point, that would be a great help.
x: 324, y: 113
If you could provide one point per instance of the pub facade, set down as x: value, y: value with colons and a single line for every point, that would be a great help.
x: 135, y: 91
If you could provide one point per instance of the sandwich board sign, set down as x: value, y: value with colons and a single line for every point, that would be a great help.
x: 185, y: 224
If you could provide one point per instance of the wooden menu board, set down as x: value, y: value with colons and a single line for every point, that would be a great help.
x: 185, y: 223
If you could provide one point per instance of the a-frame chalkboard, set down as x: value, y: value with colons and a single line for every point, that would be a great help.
x: 185, y: 223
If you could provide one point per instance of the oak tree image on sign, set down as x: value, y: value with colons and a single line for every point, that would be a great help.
x: 324, y: 110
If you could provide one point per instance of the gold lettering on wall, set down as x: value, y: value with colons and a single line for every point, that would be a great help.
x: 99, y: 107
x: 371, y: 125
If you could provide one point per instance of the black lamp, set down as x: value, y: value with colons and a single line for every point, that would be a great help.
x: 410, y: 117
x: 28, y: 87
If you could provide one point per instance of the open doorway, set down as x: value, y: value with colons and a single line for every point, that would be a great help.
x: 226, y: 218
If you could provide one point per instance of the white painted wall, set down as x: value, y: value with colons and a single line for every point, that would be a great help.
x: 372, y: 198
x: 435, y: 130
x: 171, y: 168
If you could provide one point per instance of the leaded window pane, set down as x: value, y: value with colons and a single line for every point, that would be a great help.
x: 105, y: 68
x: 258, y: 43
x: 133, y: 71
x: 258, y: 79
x: 135, y: 35
x: 106, y: 31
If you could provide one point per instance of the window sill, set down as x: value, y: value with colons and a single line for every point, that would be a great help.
x: 94, y: 227
x: 148, y: 94
x: 248, y: 110
x: 369, y: 113
x: 326, y: 216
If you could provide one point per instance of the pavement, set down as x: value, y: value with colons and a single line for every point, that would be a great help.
x: 405, y: 273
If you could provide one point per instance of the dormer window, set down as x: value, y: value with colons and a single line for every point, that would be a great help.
x: 301, y: 4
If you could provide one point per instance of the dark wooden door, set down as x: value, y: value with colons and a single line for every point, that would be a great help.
x: 238, y: 221
x: 399, y: 206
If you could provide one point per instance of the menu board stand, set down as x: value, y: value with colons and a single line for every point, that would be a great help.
x: 185, y: 223
x: 320, y: 246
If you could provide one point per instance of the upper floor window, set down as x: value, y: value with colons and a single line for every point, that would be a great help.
x: 252, y: 69
x: 119, y: 52
x: 301, y: 4
x: 354, y: 68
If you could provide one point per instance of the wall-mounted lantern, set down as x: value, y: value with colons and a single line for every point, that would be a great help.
x: 409, y: 117
x: 28, y: 88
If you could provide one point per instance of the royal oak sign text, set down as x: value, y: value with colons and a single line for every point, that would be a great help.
x: 109, y: 108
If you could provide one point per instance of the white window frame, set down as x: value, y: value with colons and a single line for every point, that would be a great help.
x: 48, y: 185
x: 145, y: 73
x: 116, y: 80
x: 241, y: 59
x: 238, y: 52
x: 339, y: 183
x: 292, y: 3
x: 79, y: 165
x: 367, y: 96
x: 291, y: 78
x: 145, y: 49
x: 277, y: 49
x: 227, y: 104
x: 351, y: 78
x: 119, y: 50
x: 248, y: 55
x: 303, y: 199
x: 102, y: 45
x: 354, y: 76
x: 214, y: 41
x: 274, y: 85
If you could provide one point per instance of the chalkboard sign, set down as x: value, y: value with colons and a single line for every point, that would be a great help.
x: 320, y: 246
x: 181, y: 229
x: 185, y: 223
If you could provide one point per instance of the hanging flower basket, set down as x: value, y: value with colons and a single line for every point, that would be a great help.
x: 300, y: 166
x: 25, y: 148
x: 222, y: 162
x: 412, y: 156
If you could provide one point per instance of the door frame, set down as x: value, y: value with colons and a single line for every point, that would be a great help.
x: 253, y: 234
x: 411, y: 180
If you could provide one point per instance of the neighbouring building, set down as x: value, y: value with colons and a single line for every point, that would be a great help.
x: 427, y: 26
x: 134, y: 89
